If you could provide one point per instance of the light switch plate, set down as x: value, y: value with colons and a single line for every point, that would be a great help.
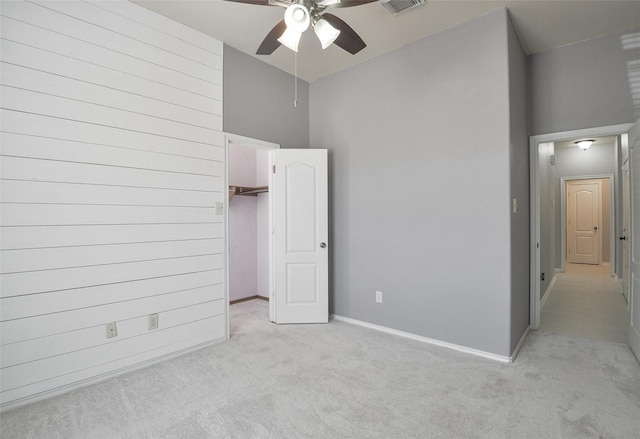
x: 153, y: 321
x: 112, y: 329
x: 219, y: 207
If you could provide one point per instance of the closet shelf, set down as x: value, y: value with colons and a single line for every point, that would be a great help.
x: 247, y: 190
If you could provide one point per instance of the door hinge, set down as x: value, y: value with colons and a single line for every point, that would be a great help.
x: 274, y: 169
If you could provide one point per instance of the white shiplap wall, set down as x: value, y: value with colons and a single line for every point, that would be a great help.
x: 111, y: 167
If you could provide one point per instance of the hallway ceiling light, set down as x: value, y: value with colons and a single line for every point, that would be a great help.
x: 584, y: 144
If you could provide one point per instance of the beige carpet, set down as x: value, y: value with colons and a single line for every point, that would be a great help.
x: 344, y: 381
x: 587, y: 302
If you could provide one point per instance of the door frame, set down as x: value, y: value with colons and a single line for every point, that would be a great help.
x: 229, y: 139
x: 534, y: 192
x: 612, y: 221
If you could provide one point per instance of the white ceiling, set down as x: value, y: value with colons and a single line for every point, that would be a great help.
x: 608, y: 140
x: 541, y: 25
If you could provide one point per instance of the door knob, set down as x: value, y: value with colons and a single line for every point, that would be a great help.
x: 323, y: 245
x: 622, y: 238
x: 595, y: 228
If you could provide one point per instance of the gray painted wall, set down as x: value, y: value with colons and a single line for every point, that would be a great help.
x: 519, y: 158
x: 258, y: 101
x: 573, y: 162
x: 546, y: 172
x: 419, y: 144
x: 583, y: 85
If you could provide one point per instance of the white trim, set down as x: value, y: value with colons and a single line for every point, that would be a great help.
x: 612, y: 218
x: 444, y: 344
x: 237, y: 139
x: 513, y: 356
x: 102, y: 377
x: 534, y: 222
x: 534, y: 174
x: 545, y: 296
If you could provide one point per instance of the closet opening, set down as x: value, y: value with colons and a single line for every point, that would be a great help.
x: 248, y: 220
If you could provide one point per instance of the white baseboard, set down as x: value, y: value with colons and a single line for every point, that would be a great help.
x: 99, y: 378
x: 444, y: 344
x: 513, y: 356
x: 545, y: 297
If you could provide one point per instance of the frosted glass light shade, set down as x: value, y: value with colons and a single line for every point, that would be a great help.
x: 584, y: 144
x: 326, y: 33
x: 297, y: 18
x: 290, y: 38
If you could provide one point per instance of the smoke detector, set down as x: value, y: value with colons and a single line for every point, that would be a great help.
x: 394, y: 7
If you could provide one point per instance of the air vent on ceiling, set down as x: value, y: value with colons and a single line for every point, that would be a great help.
x: 396, y: 6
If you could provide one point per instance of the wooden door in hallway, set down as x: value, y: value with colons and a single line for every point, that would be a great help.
x: 583, y: 220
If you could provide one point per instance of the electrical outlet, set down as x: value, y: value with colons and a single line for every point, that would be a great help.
x: 379, y: 296
x: 112, y: 329
x: 153, y: 321
x: 219, y: 207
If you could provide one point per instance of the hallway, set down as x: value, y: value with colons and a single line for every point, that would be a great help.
x: 586, y: 301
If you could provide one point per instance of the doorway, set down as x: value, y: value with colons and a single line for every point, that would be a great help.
x: 543, y: 204
x: 588, y: 221
x: 247, y: 219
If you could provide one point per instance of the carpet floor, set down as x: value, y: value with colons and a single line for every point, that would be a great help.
x: 343, y: 381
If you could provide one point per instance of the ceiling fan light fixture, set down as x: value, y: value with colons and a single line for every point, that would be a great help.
x: 290, y: 38
x: 584, y: 144
x: 297, y: 18
x: 325, y: 32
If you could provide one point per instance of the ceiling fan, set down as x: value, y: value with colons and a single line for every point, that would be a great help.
x: 300, y: 14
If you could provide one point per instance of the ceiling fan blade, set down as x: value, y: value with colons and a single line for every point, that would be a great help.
x: 251, y: 2
x: 344, y: 3
x: 348, y: 39
x: 283, y: 3
x: 270, y: 42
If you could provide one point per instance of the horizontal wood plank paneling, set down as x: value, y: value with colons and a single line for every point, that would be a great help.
x: 28, y: 101
x: 43, y: 82
x: 150, y: 346
x: 74, y: 152
x: 90, y: 134
x: 18, y: 284
x: 65, y: 45
x: 111, y: 168
x: 29, y: 260
x: 70, y: 331
x: 186, y: 35
x: 69, y: 214
x: 116, y: 22
x: 20, y: 307
x: 37, y: 192
x: 19, y: 168
x: 26, y: 237
x: 38, y: 59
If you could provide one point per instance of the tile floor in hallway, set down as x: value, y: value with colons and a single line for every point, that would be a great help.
x: 586, y: 301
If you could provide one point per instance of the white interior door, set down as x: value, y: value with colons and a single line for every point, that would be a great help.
x: 625, y: 238
x: 634, y: 292
x: 583, y: 218
x: 300, y: 236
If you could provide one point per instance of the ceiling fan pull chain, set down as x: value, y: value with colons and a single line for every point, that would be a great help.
x: 295, y: 79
